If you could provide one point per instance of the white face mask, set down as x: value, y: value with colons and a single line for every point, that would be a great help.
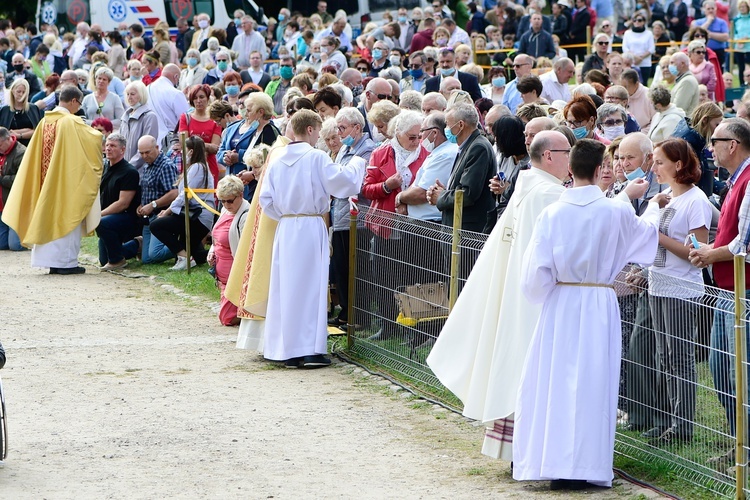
x: 429, y: 146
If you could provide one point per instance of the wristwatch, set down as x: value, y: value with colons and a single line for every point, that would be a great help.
x: 153, y: 204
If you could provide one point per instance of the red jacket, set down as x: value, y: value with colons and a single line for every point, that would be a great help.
x: 382, y: 166
x: 420, y: 40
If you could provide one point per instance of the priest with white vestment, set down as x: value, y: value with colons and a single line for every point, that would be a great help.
x: 296, y: 191
x: 566, y: 409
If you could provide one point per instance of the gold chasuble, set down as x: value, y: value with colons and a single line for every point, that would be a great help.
x: 57, y: 185
x: 250, y: 277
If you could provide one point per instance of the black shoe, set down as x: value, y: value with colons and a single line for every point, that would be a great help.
x: 293, y: 363
x: 316, y: 361
x: 568, y: 484
x: 654, y: 432
x: 67, y: 270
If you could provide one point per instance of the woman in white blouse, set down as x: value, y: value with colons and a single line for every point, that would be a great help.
x: 102, y: 102
x: 639, y: 42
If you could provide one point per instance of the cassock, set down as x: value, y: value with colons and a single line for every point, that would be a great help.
x: 567, y: 401
x: 296, y: 191
x: 480, y: 351
x: 55, y: 196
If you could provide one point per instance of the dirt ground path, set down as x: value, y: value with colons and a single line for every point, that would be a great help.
x: 117, y: 388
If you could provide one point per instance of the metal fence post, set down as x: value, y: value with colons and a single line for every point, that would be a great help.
x: 185, y: 199
x: 458, y: 214
x: 352, y: 280
x: 741, y: 375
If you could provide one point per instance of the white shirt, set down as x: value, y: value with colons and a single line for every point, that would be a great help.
x: 437, y: 165
x: 639, y: 43
x: 553, y: 89
x: 168, y: 103
x: 77, y: 49
x: 459, y: 36
x: 244, y: 44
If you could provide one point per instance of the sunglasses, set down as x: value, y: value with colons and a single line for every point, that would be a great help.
x: 226, y: 202
x: 602, y: 43
x: 640, y: 20
x: 714, y: 140
x: 699, y: 52
x: 382, y: 96
x: 520, y: 64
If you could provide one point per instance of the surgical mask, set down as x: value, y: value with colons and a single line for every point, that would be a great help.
x: 18, y: 68
x: 442, y: 42
x: 403, y: 19
x: 395, y: 61
x: 243, y: 113
x: 450, y: 136
x: 65, y: 45
x: 347, y: 141
x: 377, y: 54
x: 281, y: 17
x: 428, y: 146
x: 124, y: 33
x: 673, y: 69
x: 580, y: 132
x: 326, y: 50
x: 638, y: 173
x: 134, y: 78
x: 498, y: 81
x: 192, y: 62
x: 203, y: 24
x: 613, y: 133
x: 286, y: 72
x: 417, y: 73
x: 253, y: 126
x: 233, y: 90
x: 222, y: 65
x: 364, y: 74
x: 357, y: 90
x: 238, y: 22
x: 447, y: 71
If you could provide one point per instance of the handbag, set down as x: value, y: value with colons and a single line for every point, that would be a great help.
x: 421, y: 301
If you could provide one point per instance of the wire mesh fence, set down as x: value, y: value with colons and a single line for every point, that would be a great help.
x: 676, y: 410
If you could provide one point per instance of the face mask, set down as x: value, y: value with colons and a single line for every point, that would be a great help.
x: 134, y: 78
x: 288, y: 33
x: 417, y: 73
x: 223, y: 65
x: 638, y: 6
x: 192, y: 62
x: 282, y: 17
x: 347, y: 141
x: 233, y: 90
x: 124, y: 33
x: 326, y: 50
x: 442, y: 42
x: 498, y: 82
x: 450, y: 136
x: 243, y: 113
x: 402, y: 19
x: 638, y: 173
x: 364, y: 74
x: 428, y: 146
x: 447, y: 72
x: 612, y: 133
x: 357, y: 90
x: 673, y: 69
x: 395, y: 61
x: 286, y: 72
x: 18, y: 67
x: 238, y: 22
x: 377, y: 54
x: 580, y: 132
x: 203, y: 24
x: 65, y: 45
x: 253, y: 126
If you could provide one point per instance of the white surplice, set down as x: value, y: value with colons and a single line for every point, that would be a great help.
x: 480, y: 351
x: 567, y: 402
x: 296, y: 191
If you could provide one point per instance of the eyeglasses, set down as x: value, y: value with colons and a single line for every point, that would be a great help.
x: 382, y: 96
x: 605, y: 25
x: 575, y: 124
x: 343, y: 128
x: 227, y: 202
x: 698, y: 35
x: 714, y: 140
x: 423, y: 130
x: 612, y: 123
x: 521, y: 64
x: 699, y: 52
x: 602, y: 43
x: 639, y: 20
x: 566, y: 152
x: 415, y: 66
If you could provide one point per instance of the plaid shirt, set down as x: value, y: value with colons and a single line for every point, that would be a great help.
x: 741, y: 242
x: 157, y: 179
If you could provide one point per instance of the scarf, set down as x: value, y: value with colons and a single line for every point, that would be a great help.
x: 404, y: 158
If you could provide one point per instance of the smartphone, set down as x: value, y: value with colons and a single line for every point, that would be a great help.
x: 694, y: 241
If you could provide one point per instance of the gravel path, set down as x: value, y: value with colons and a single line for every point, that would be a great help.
x: 118, y: 388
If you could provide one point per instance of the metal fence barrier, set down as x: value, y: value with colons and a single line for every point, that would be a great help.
x: 677, y: 409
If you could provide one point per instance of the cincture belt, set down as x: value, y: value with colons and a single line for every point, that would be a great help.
x: 295, y: 216
x: 593, y: 285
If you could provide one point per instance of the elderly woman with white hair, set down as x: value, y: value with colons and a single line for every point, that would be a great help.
x: 194, y: 72
x: 411, y: 100
x: 102, y: 102
x: 222, y: 65
x: 701, y: 68
x: 226, y: 237
x: 610, y: 120
x: 392, y: 169
x: 137, y: 120
x: 329, y: 137
x: 598, y: 58
x: 208, y: 56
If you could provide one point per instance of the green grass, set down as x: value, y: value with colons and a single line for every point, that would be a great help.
x: 198, y: 283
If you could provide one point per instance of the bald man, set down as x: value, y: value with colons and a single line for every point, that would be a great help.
x: 377, y: 90
x: 685, y: 90
x: 167, y: 102
x: 522, y: 65
x: 448, y: 85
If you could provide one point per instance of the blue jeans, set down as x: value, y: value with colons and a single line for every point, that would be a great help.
x: 154, y: 251
x: 9, y: 239
x: 113, y: 231
x: 721, y: 359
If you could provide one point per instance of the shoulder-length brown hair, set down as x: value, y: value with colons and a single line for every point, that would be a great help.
x: 679, y: 150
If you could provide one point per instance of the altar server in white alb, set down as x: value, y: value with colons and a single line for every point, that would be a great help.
x: 566, y: 409
x: 296, y: 191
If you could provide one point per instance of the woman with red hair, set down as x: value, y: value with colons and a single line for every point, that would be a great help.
x: 199, y: 123
x: 580, y: 117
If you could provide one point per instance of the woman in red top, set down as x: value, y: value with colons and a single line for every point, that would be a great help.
x: 392, y: 169
x: 200, y: 123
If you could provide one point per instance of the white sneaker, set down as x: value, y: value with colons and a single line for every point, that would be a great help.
x: 181, y: 264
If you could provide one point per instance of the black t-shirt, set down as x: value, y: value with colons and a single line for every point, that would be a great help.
x: 122, y: 176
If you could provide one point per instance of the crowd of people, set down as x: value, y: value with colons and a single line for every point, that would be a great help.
x: 281, y: 120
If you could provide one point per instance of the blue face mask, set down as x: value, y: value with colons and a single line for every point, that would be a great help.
x: 237, y: 22
x: 282, y: 17
x: 364, y: 74
x: 192, y: 62
x: 638, y: 173
x: 580, y: 132
x: 253, y: 126
x: 417, y: 73
x: 347, y: 141
x: 498, y: 82
x: 673, y: 69
x: 402, y: 19
x: 377, y: 54
x: 447, y: 72
x: 286, y: 72
x: 450, y: 136
x: 222, y: 65
x: 233, y: 90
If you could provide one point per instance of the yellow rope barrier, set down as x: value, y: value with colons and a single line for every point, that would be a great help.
x: 191, y: 193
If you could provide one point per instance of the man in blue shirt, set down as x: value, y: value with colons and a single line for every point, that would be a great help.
x: 522, y: 65
x: 718, y: 30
